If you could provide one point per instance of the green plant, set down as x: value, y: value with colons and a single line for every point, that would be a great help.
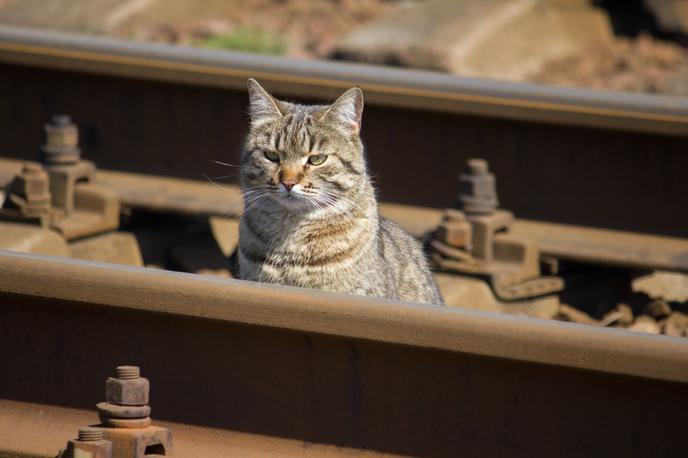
x: 243, y: 39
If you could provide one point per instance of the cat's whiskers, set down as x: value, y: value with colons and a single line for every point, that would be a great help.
x: 217, y: 185
x: 340, y: 206
x: 222, y: 177
x: 251, y: 197
x: 224, y: 163
x: 255, y: 202
x: 238, y: 203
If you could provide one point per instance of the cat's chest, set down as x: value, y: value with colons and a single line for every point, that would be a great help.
x: 312, y: 256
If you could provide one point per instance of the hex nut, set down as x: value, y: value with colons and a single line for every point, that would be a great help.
x: 477, y: 189
x: 131, y: 392
x: 457, y: 234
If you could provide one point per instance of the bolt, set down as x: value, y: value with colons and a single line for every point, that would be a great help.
x: 30, y: 191
x: 62, y: 145
x: 32, y: 168
x: 477, y: 166
x: 478, y: 191
x: 453, y: 215
x: 128, y: 388
x: 88, y: 434
x: 61, y: 120
x: 128, y: 372
x: 126, y: 396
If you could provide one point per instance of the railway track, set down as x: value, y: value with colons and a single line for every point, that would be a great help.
x: 573, y: 156
x: 320, y: 369
x: 255, y: 369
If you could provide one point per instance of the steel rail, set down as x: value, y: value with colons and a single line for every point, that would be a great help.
x: 261, y: 359
x: 320, y: 368
x: 321, y: 79
x: 456, y: 330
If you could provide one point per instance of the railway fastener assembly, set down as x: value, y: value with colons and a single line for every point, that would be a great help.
x: 125, y: 430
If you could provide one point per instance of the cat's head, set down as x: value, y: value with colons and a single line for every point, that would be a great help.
x: 304, y: 157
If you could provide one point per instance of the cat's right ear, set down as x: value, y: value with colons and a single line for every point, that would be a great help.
x: 261, y: 104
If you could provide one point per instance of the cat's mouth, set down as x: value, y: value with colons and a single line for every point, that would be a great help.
x: 301, y: 201
x: 292, y: 200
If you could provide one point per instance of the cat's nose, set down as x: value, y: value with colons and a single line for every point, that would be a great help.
x: 289, y: 183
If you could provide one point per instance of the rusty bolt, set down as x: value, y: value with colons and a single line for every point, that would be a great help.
x: 30, y: 190
x: 90, y: 443
x: 478, y: 191
x: 128, y: 372
x: 455, y: 230
x: 128, y: 388
x: 88, y: 434
x: 477, y: 166
x: 62, y: 141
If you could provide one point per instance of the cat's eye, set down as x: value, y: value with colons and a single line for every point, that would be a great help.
x: 272, y: 156
x: 317, y: 159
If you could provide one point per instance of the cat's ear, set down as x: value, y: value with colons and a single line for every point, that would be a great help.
x: 347, y: 110
x: 261, y: 104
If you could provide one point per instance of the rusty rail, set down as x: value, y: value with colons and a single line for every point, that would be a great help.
x: 324, y: 368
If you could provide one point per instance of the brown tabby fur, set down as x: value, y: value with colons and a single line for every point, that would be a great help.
x: 317, y: 226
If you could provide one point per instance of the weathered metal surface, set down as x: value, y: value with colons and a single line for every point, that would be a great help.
x: 352, y: 316
x: 19, y: 422
x: 477, y: 241
x: 586, y: 172
x: 602, y: 246
x: 345, y: 370
x: 59, y: 193
x: 28, y: 195
x: 125, y: 422
x: 173, y: 195
x: 117, y: 247
x: 30, y: 239
x: 89, y: 444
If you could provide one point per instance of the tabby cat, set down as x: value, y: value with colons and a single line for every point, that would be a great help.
x: 310, y: 215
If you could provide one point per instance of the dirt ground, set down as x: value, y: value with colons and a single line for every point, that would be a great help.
x: 302, y: 28
x: 642, y: 64
x: 310, y: 29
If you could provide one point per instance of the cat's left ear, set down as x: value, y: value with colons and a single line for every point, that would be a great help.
x: 347, y: 110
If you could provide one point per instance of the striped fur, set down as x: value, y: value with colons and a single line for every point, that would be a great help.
x: 324, y: 232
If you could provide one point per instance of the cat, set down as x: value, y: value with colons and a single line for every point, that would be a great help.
x: 310, y: 214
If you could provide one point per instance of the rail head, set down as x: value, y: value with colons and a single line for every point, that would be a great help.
x: 356, y: 317
x: 405, y: 88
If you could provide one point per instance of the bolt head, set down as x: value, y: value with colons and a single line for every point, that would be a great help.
x: 453, y: 215
x: 457, y: 234
x: 477, y: 166
x: 480, y: 186
x: 32, y: 186
x: 92, y: 449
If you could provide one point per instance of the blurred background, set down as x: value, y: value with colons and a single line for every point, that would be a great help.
x: 621, y: 45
